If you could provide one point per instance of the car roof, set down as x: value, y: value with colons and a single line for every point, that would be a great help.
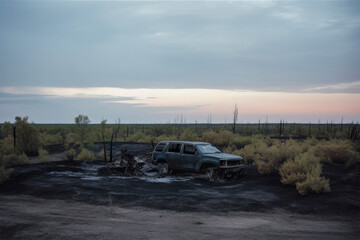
x: 185, y: 142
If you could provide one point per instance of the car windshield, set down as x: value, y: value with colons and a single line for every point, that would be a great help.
x: 207, y: 148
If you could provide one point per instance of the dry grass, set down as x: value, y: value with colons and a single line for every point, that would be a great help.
x: 43, y: 155
x: 71, y: 140
x: 86, y: 155
x: 101, y: 155
x: 70, y: 154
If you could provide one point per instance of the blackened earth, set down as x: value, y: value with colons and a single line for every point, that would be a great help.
x: 79, y: 181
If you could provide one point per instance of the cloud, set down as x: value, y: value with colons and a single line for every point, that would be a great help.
x: 217, y: 101
x: 291, y: 13
x: 337, y: 88
x: 238, y: 44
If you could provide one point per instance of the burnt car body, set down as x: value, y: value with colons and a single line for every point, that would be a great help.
x: 199, y: 157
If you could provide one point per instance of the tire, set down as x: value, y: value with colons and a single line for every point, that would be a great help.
x: 163, y: 168
x: 210, y: 174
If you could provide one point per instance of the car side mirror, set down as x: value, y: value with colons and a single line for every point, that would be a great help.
x: 196, y: 153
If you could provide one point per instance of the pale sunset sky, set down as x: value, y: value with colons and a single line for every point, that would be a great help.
x: 151, y: 61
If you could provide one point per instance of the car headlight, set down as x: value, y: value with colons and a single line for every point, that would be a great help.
x: 222, y: 163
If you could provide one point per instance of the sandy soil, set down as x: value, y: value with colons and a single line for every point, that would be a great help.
x: 28, y: 217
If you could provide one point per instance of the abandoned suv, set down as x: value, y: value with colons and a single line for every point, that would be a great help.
x: 200, y: 157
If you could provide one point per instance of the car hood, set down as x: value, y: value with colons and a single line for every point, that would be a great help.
x: 223, y: 156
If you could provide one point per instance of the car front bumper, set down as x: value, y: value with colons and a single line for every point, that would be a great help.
x: 228, y: 170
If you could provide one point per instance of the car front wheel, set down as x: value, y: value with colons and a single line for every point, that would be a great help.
x: 210, y: 173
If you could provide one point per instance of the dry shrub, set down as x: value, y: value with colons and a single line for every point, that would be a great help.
x: 43, y: 155
x: 305, y: 173
x: 210, y: 136
x: 242, y: 141
x: 139, y: 137
x: 270, y: 160
x: 224, y: 138
x: 266, y: 158
x: 70, y: 154
x: 165, y: 138
x: 251, y: 152
x: 189, y: 135
x: 86, y: 155
x: 340, y: 152
x: 71, y: 139
x: 101, y: 155
x: 269, y: 155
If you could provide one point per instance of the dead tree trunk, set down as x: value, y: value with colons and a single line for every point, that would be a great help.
x: 111, y: 144
x: 14, y: 133
x: 235, y: 117
x: 113, y: 135
x: 103, y: 123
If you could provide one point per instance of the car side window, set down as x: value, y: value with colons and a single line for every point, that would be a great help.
x: 189, y: 149
x: 160, y: 147
x: 174, y: 147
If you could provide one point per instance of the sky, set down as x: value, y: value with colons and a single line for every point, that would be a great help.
x: 153, y: 61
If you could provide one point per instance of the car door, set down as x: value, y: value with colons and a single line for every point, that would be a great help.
x: 189, y: 157
x: 173, y: 155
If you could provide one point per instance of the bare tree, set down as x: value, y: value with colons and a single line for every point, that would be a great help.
x: 114, y: 135
x: 235, y: 117
x: 103, y: 128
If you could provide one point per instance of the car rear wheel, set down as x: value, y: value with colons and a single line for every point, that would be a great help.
x: 163, y: 168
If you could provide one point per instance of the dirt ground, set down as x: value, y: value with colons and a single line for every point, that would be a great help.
x: 28, y: 217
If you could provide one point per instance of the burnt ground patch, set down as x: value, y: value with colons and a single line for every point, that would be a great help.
x: 79, y: 181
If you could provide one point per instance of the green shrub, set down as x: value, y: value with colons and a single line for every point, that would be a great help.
x: 90, y: 146
x: 6, y: 129
x: 27, y: 137
x: 14, y: 159
x: 4, y: 174
x: 7, y: 145
x: 305, y: 173
x: 43, y: 155
x: 86, y: 154
x: 70, y: 154
x: 49, y: 139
